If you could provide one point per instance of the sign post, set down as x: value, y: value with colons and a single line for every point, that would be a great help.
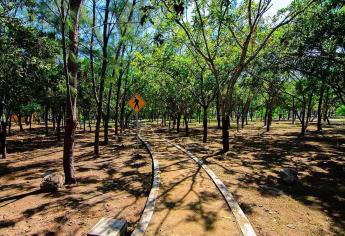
x: 136, y: 103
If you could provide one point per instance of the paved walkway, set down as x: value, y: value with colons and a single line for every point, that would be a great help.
x: 188, y: 201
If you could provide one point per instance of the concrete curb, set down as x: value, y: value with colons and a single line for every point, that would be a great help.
x: 151, y: 201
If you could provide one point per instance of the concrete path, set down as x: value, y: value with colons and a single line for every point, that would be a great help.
x: 188, y: 201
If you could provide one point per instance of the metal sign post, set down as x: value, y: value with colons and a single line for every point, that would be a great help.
x: 138, y: 130
x: 137, y: 103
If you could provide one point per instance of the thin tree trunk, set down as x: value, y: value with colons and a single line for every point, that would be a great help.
x: 293, y: 111
x: 71, y: 82
x: 10, y: 125
x: 58, y: 126
x: 185, y: 117
x: 3, y: 129
x: 46, y: 113
x: 319, y: 108
x: 218, y: 113
x: 178, y: 122
x: 107, y: 117
x: 204, y: 123
x: 225, y: 131
x: 30, y: 121
x: 20, y: 122
x: 103, y: 75
x: 303, y: 128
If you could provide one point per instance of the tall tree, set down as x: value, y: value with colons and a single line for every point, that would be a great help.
x: 71, y: 73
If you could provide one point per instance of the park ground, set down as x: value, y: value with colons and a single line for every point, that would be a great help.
x: 116, y: 183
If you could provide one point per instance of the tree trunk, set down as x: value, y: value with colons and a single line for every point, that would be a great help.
x: 46, y: 112
x: 10, y: 125
x: 122, y: 111
x: 225, y: 132
x: 178, y: 122
x: 54, y: 118
x: 185, y: 117
x: 218, y: 113
x: 58, y: 126
x: 204, y: 123
x: 266, y: 112
x: 293, y: 111
x: 20, y: 122
x: 303, y: 128
x: 30, y: 121
x: 84, y: 123
x: 309, y: 109
x: 103, y: 75
x: 3, y: 145
x: 71, y: 82
x: 319, y: 108
x: 107, y: 117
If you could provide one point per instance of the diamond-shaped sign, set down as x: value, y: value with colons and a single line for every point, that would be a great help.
x: 136, y: 103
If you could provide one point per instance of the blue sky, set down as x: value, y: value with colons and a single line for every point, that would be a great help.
x: 276, y: 5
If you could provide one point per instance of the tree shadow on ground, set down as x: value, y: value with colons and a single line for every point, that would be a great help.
x: 189, y: 175
x: 318, y: 158
x: 118, y: 178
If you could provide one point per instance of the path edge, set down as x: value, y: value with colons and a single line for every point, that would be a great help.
x: 240, y: 217
x: 151, y: 200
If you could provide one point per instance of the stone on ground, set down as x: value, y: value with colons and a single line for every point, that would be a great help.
x: 52, y: 182
x: 288, y: 176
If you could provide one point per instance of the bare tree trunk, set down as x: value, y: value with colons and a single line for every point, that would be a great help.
x: 9, y: 125
x: 118, y: 91
x: 266, y: 112
x: 218, y: 113
x: 46, y: 112
x: 303, y: 128
x: 293, y: 111
x: 225, y: 131
x: 20, y: 121
x: 107, y: 117
x: 185, y: 117
x: 71, y: 73
x: 30, y: 121
x: 58, y: 126
x: 103, y: 75
x: 3, y: 130
x: 204, y: 123
x: 269, y: 118
x: 178, y: 122
x: 319, y: 108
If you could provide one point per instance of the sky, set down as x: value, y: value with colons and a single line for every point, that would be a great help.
x: 276, y: 5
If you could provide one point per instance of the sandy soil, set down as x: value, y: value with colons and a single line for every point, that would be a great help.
x: 115, y: 184
x: 313, y: 206
x: 188, y: 202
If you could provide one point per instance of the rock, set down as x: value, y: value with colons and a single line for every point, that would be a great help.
x: 288, y: 176
x: 52, y: 182
x: 291, y: 226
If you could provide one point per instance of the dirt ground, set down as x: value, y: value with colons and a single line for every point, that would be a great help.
x: 313, y: 206
x: 115, y: 184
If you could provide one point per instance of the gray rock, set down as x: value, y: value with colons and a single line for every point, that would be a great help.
x: 288, y: 176
x: 291, y: 226
x: 52, y: 182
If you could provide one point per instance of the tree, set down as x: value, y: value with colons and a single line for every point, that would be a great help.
x: 71, y: 73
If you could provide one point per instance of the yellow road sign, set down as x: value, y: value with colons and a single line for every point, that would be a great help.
x: 136, y: 103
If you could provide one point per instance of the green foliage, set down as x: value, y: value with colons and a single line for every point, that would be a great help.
x: 340, y: 111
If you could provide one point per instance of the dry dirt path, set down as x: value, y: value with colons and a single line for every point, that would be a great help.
x: 188, y: 201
